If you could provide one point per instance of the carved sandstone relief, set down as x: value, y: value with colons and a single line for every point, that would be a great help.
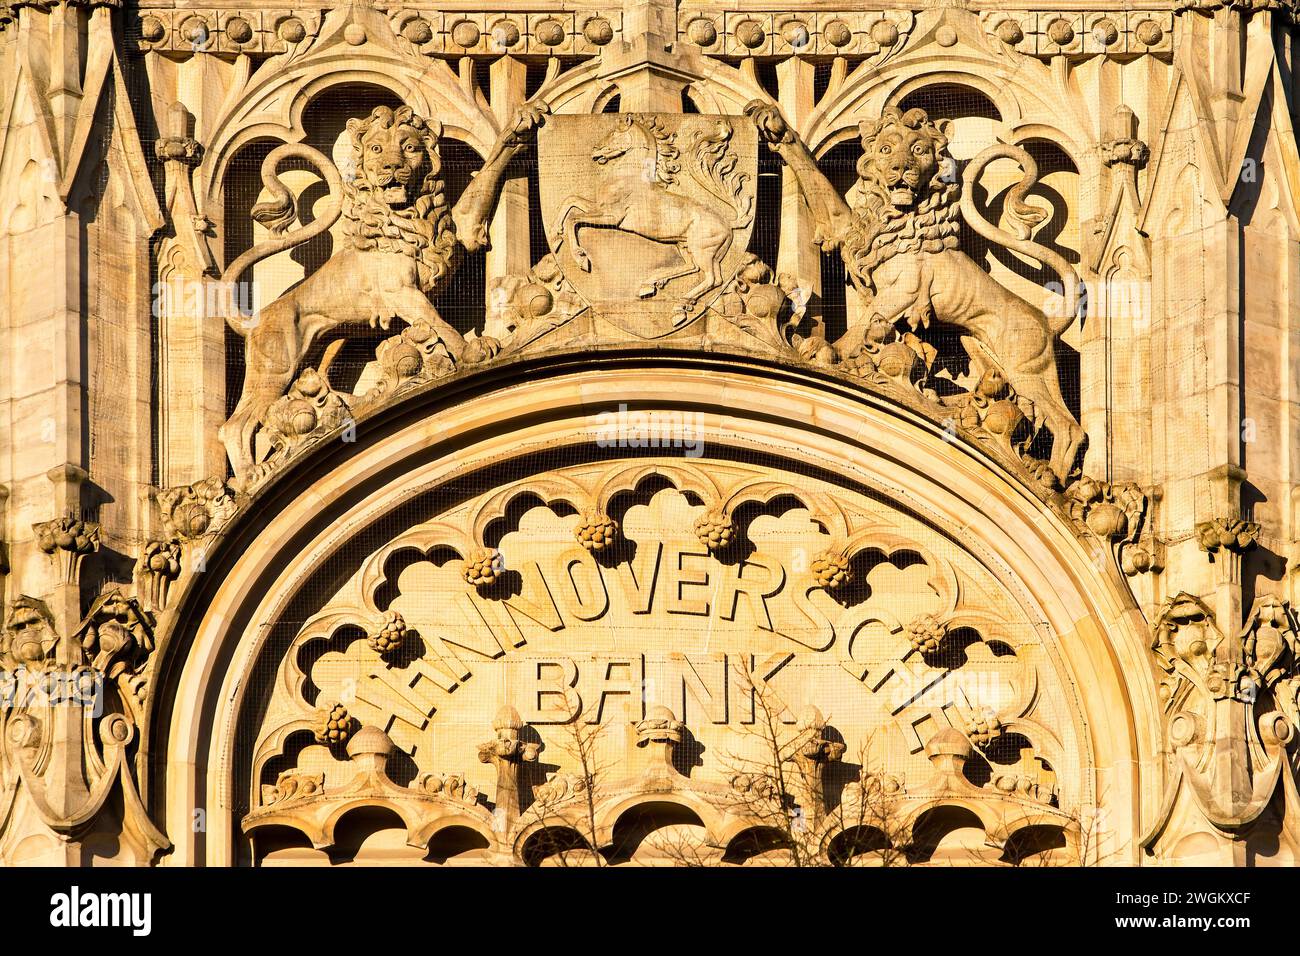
x: 900, y: 248
x: 404, y: 241
x: 623, y: 603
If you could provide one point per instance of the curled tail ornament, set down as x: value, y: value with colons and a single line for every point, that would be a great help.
x: 1024, y: 218
x: 278, y: 212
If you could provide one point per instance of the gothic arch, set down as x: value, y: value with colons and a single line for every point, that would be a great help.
x: 1095, y: 634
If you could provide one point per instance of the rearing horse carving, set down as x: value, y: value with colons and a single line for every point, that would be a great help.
x: 644, y: 161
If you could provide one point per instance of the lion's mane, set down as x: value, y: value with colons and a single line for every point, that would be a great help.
x: 881, y: 231
x: 424, y: 230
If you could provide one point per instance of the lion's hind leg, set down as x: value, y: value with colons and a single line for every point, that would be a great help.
x: 272, y: 351
x: 1050, y: 411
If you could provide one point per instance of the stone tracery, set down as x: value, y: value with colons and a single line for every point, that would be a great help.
x: 560, y: 554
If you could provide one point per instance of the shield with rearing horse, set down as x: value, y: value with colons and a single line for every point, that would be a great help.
x: 648, y: 214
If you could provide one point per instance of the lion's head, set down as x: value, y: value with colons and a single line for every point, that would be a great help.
x: 904, y: 156
x: 394, y: 196
x: 394, y: 155
x: 909, y: 191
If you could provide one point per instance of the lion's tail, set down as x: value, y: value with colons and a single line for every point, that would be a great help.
x: 1024, y: 218
x: 278, y: 212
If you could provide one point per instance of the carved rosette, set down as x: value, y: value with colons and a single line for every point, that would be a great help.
x: 158, y: 566
x: 191, y: 512
x: 67, y: 541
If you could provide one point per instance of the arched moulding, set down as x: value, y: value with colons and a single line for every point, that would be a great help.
x: 274, y: 744
x: 551, y: 490
x: 685, y: 478
x: 1000, y: 820
x: 323, y: 627
x: 942, y: 580
x: 544, y: 842
x: 578, y: 89
x: 269, y: 103
x: 824, y: 512
x: 601, y: 98
x: 1027, y: 550
x: 1023, y: 94
x: 422, y: 818
x: 617, y: 806
x: 423, y: 539
x: 1046, y: 744
x: 1086, y: 161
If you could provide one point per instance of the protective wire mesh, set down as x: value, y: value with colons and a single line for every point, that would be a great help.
x: 463, y: 304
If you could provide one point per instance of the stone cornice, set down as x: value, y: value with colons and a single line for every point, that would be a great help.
x: 758, y: 30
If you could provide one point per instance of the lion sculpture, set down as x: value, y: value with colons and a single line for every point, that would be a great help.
x: 899, y: 247
x: 403, y: 240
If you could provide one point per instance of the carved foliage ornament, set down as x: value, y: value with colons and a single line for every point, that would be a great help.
x: 1230, y: 701
x: 51, y: 686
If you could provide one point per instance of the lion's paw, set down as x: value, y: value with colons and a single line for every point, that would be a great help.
x: 480, y: 349
x: 771, y: 124
x: 528, y: 118
x: 815, y: 349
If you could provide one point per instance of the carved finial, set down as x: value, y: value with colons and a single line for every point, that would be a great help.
x: 813, y: 752
x: 660, y: 733
x: 948, y: 750
x: 371, y: 747
x: 1125, y: 150
x: 508, y: 752
x: 660, y: 726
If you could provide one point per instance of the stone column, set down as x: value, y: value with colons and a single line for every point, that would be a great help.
x: 797, y: 256
x: 509, y: 252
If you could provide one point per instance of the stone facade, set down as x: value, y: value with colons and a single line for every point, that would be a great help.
x: 649, y: 433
